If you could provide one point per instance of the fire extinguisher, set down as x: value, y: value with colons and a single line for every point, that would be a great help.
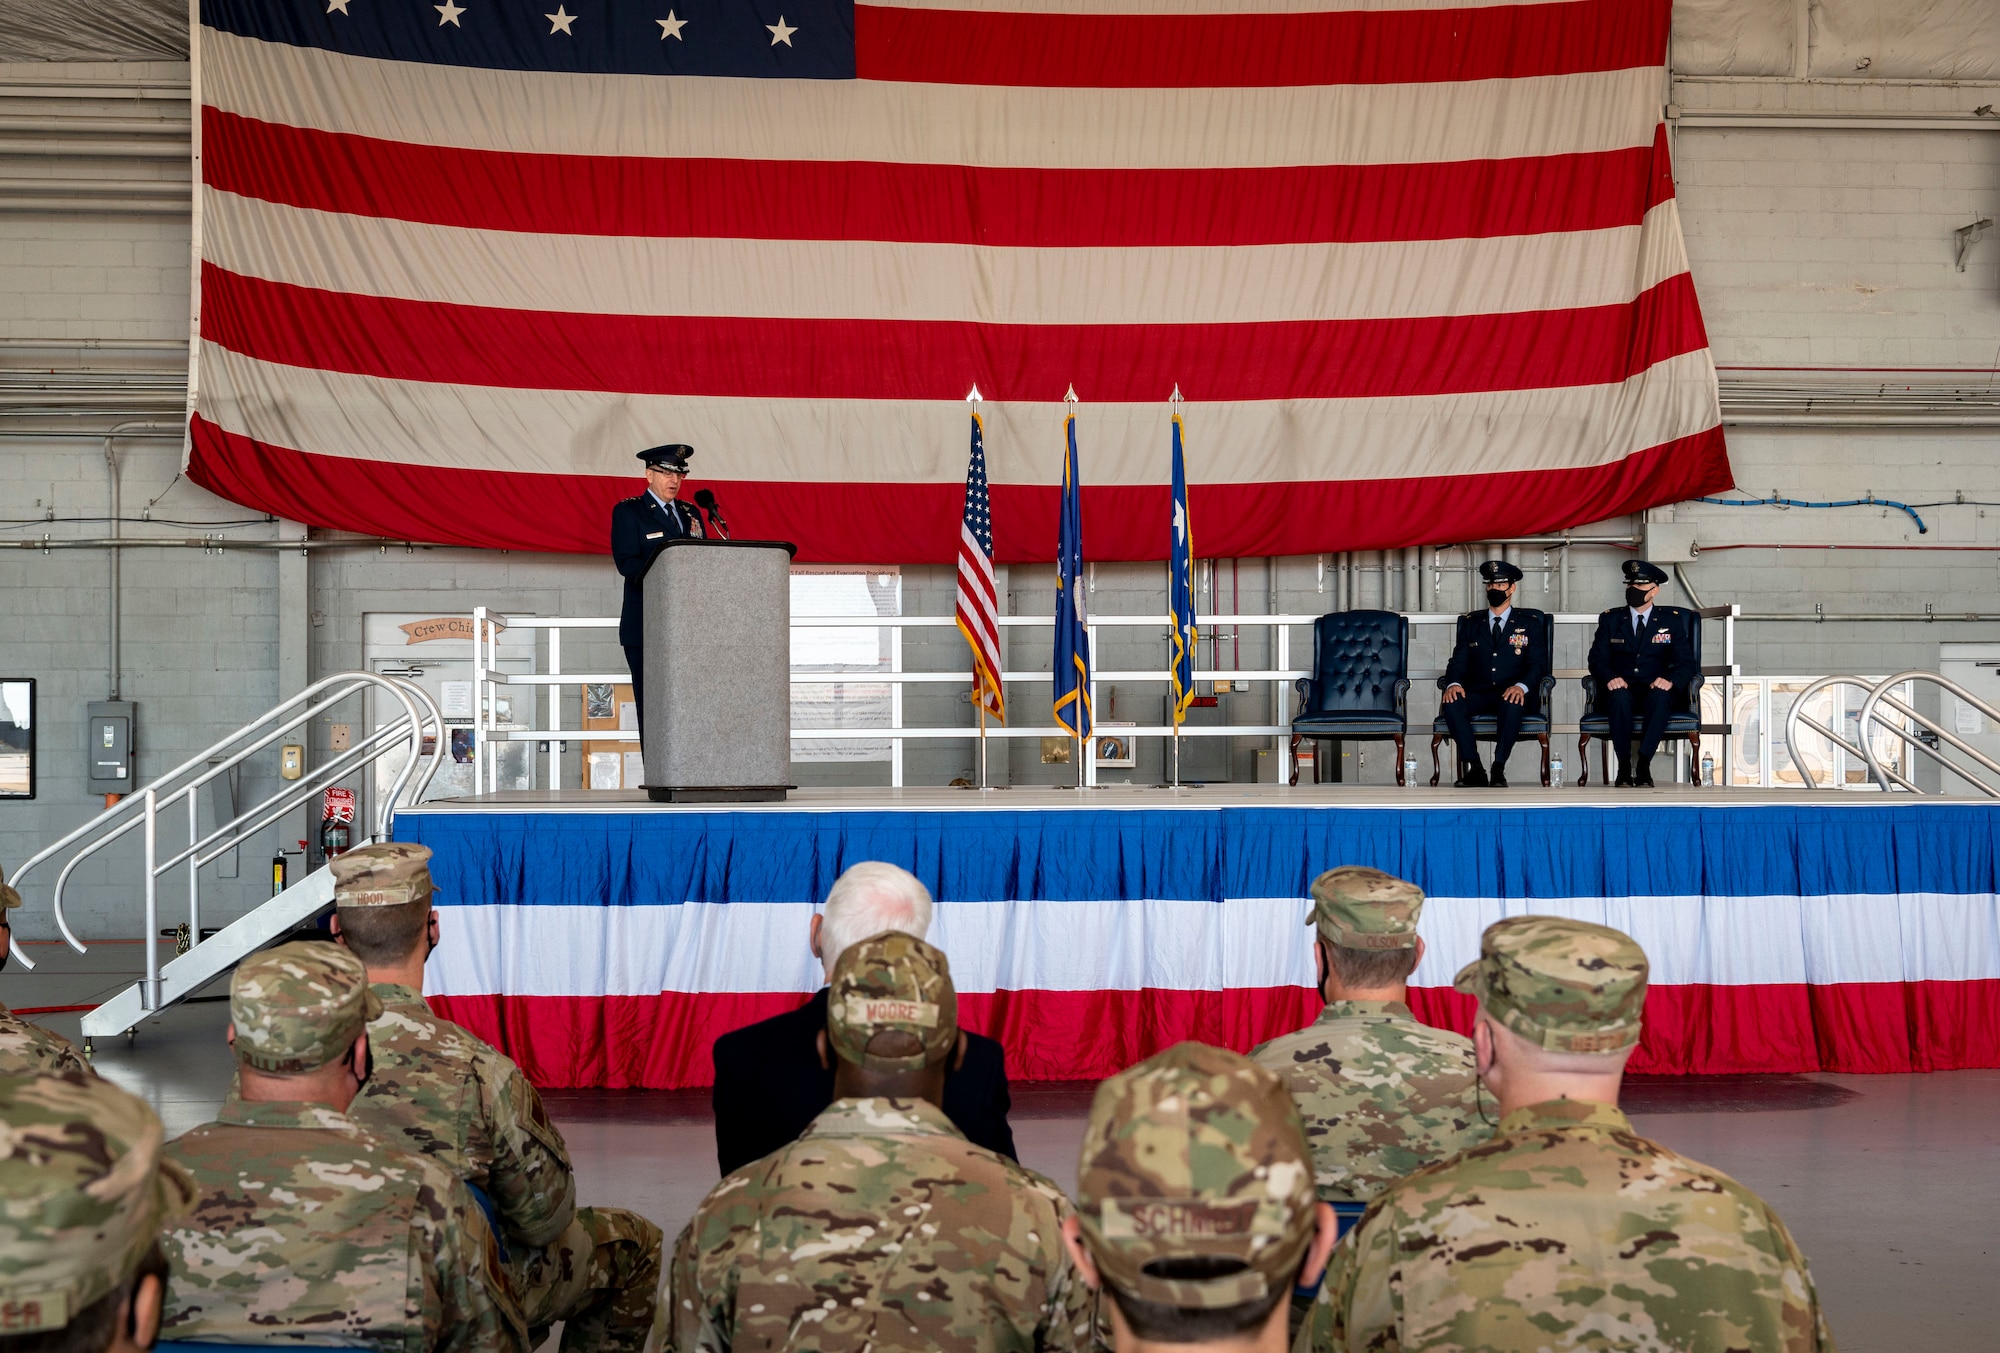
x: 335, y: 836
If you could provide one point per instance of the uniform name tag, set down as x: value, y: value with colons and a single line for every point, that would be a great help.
x: 863, y: 1010
x: 1176, y: 1218
x: 654, y: 535
x: 25, y: 1315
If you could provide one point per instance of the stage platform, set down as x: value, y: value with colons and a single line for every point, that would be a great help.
x: 604, y: 940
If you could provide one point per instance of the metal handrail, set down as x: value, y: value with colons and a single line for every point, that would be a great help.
x: 141, y: 810
x: 1798, y: 716
x: 1881, y: 695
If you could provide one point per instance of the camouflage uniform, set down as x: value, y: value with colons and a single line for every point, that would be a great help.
x: 440, y: 1091
x: 882, y: 1228
x: 83, y: 1194
x: 1568, y: 1230
x: 1380, y: 1093
x: 25, y: 1047
x: 1196, y: 1153
x: 310, y: 1227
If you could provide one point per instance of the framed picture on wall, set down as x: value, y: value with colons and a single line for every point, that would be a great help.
x: 17, y: 737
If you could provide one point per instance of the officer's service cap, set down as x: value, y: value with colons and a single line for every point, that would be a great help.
x: 84, y: 1193
x: 891, y: 982
x: 673, y: 456
x: 1357, y: 907
x: 9, y: 899
x: 386, y: 874
x: 299, y: 1006
x: 1197, y: 1154
x: 1568, y: 986
x: 1500, y: 571
x: 1642, y: 571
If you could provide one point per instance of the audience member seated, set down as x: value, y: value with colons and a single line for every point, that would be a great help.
x: 882, y: 1228
x: 439, y: 1091
x: 1195, y: 1205
x: 769, y: 1081
x: 1568, y: 1229
x: 83, y: 1195
x: 307, y: 1229
x: 26, y: 1047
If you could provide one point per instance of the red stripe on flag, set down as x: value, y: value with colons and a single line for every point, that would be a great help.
x: 1346, y: 47
x: 666, y: 1041
x: 929, y: 203
x: 919, y: 523
x: 910, y: 359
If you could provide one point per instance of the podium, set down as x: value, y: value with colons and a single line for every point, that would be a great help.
x: 718, y: 669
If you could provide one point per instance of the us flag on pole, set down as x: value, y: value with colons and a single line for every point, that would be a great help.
x: 1416, y: 262
x: 978, y: 596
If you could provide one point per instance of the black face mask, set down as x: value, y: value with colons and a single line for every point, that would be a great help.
x: 1495, y: 597
x: 1635, y: 597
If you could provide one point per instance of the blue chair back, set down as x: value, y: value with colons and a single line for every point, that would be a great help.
x: 1360, y: 659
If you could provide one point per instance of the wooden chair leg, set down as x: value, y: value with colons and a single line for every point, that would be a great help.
x: 1436, y: 738
x: 1295, y: 760
x: 1694, y: 760
x: 1543, y: 738
x: 1401, y: 774
x: 1582, y: 760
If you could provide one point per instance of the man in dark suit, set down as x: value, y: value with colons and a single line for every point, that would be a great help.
x: 1644, y: 660
x: 770, y: 1081
x: 640, y: 529
x: 1497, y: 667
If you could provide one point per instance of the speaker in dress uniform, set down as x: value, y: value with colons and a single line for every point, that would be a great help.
x: 1644, y: 660
x: 1497, y: 666
x: 640, y: 529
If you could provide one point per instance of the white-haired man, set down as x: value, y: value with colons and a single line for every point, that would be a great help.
x: 769, y: 1079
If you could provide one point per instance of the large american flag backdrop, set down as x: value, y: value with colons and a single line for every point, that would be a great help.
x: 1416, y: 266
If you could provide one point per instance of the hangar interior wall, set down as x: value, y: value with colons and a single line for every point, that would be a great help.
x: 1819, y: 201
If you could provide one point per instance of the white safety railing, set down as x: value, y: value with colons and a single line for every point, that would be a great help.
x: 1887, y: 706
x: 546, y: 725
x: 144, y: 810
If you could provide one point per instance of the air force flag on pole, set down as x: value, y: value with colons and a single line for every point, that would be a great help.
x: 1072, y: 657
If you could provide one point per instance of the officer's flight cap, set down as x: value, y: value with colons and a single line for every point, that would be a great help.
x: 674, y: 456
x: 1500, y: 571
x: 1640, y: 571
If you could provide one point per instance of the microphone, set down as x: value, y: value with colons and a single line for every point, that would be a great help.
x: 705, y: 500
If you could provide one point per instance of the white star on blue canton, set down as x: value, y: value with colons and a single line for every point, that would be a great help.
x: 337, y: 6
x: 781, y: 31
x: 448, y: 13
x: 560, y: 21
x: 670, y: 27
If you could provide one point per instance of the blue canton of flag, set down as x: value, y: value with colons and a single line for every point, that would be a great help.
x: 1072, y: 659
x: 1180, y: 588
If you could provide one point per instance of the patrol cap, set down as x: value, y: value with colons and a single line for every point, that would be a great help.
x: 1500, y: 571
x: 1569, y: 986
x: 1196, y: 1153
x: 385, y: 874
x: 673, y: 456
x: 84, y: 1194
x: 891, y: 981
x: 1361, y: 908
x: 1643, y: 571
x: 9, y: 899
x: 299, y: 1006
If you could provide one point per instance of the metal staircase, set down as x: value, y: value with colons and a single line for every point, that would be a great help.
x: 1885, y: 710
x: 147, y: 810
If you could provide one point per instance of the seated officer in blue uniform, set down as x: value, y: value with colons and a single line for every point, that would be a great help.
x: 1497, y: 667
x: 640, y: 529
x: 1644, y: 660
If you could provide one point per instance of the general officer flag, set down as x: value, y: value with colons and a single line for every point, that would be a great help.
x: 1180, y: 586
x: 1072, y: 659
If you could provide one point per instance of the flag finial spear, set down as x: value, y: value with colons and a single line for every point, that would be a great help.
x: 975, y: 396
x: 1070, y: 398
x: 1175, y: 398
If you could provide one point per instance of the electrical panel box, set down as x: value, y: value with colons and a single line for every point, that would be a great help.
x: 110, y: 743
x: 1670, y: 542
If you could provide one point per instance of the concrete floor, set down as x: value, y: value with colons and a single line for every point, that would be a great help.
x: 1890, y: 1183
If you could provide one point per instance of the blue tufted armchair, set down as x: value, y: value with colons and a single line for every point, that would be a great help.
x: 1361, y: 663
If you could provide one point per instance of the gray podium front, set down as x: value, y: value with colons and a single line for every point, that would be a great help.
x: 718, y: 671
